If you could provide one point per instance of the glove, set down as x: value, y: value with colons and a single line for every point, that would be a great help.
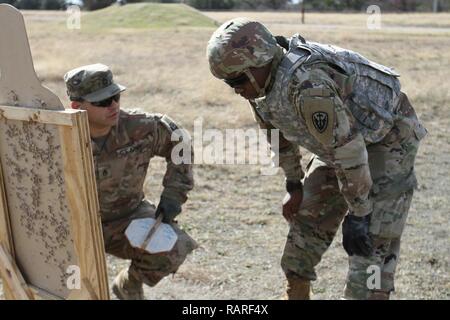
x: 291, y: 204
x: 356, y: 238
x: 292, y: 200
x: 169, y: 208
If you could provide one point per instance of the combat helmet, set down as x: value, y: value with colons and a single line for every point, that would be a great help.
x: 238, y: 45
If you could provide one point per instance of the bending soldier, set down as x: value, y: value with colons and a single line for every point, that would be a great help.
x: 351, y: 114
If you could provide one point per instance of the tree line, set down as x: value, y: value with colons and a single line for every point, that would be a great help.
x: 309, y: 5
x: 36, y: 4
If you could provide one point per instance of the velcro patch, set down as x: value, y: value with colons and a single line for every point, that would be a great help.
x: 319, y: 117
x: 169, y: 123
x: 318, y: 92
x: 176, y: 132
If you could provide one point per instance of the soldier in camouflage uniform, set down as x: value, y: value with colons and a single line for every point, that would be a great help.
x: 350, y: 113
x: 123, y: 144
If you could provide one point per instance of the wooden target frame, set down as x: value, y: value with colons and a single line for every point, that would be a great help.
x: 51, y: 242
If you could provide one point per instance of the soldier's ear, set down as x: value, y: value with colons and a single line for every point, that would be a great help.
x: 75, y: 105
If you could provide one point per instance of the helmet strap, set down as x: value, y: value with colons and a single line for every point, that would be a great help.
x: 266, y: 84
x: 252, y: 79
x: 260, y: 91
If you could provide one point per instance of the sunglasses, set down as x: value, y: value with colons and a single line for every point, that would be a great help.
x: 107, y: 102
x: 238, y: 81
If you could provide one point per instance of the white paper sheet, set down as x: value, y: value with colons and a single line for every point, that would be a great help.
x: 162, y: 240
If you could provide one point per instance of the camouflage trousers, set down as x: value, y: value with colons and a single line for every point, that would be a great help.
x: 146, y: 267
x: 391, y: 164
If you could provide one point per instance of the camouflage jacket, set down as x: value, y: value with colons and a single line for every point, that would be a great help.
x: 333, y: 102
x: 121, y: 163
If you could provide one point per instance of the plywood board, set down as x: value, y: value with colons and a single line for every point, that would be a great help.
x: 49, y: 212
x: 51, y: 203
x: 13, y: 277
x: 39, y: 215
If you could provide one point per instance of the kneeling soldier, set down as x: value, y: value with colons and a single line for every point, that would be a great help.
x: 123, y: 144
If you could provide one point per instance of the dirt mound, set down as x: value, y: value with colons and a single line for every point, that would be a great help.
x: 146, y: 15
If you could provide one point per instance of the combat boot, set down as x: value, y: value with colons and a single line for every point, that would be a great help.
x: 127, y: 287
x: 379, y: 295
x: 298, y: 288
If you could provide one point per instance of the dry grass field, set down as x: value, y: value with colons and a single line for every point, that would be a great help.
x: 234, y: 212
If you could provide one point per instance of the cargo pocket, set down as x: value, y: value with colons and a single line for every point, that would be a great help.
x: 389, y: 215
x: 406, y: 113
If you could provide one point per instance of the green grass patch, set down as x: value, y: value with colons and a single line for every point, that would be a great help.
x: 145, y: 15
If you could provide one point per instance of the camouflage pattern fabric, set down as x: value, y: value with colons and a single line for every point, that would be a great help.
x: 238, y: 45
x: 351, y: 114
x: 306, y: 102
x: 92, y: 83
x: 145, y: 267
x: 288, y: 154
x: 321, y: 212
x: 391, y: 164
x: 121, y: 162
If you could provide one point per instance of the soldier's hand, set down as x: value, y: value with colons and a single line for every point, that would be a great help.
x: 169, y: 208
x: 291, y: 204
x: 356, y: 238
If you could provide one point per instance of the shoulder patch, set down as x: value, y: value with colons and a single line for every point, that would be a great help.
x: 320, y: 121
x: 169, y: 123
x: 318, y: 113
x: 317, y: 92
x: 175, y: 131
